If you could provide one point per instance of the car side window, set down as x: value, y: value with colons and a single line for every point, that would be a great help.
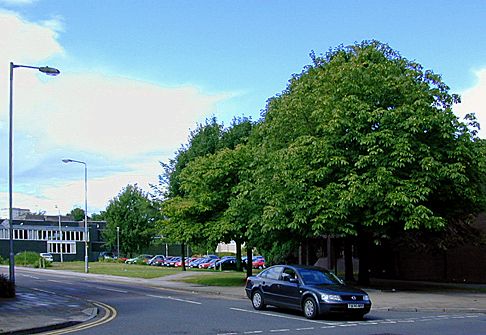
x: 272, y: 273
x: 288, y: 274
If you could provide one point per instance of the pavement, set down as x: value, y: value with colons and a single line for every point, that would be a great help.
x: 34, y: 311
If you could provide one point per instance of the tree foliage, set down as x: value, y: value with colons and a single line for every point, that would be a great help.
x: 362, y: 143
x: 135, y: 215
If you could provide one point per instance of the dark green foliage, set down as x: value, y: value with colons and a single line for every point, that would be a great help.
x: 7, y: 288
x: 135, y: 214
x: 77, y: 214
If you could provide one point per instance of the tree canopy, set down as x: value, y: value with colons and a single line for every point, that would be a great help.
x: 362, y: 143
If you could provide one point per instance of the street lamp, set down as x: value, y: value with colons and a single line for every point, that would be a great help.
x: 49, y: 71
x: 60, y: 231
x: 85, y: 210
x: 117, y: 242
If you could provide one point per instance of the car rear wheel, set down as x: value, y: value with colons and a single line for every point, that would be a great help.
x: 257, y: 300
x: 310, y: 308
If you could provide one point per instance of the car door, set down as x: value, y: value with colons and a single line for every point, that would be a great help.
x: 289, y: 291
x: 269, y: 285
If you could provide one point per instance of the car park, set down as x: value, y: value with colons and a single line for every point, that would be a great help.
x: 312, y: 290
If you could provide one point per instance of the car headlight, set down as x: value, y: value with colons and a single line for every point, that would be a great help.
x: 366, y: 298
x: 330, y: 297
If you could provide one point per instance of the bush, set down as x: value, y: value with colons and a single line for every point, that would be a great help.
x: 7, y: 288
x: 28, y: 258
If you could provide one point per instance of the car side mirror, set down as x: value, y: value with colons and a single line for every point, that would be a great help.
x: 294, y: 280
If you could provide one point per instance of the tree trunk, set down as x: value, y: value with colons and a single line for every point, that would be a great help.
x: 238, y: 255
x: 348, y: 260
x: 183, y: 256
x: 249, y: 265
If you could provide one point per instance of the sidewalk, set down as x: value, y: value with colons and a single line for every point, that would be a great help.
x: 33, y: 309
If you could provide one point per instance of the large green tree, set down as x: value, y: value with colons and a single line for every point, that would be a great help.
x: 364, y: 142
x: 196, y: 214
x: 135, y: 214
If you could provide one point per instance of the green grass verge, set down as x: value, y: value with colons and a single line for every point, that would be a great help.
x: 117, y: 269
x: 218, y: 279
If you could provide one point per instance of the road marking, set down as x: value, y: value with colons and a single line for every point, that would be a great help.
x: 254, y: 332
x: 111, y: 289
x: 172, y: 298
x: 56, y: 281
x: 308, y: 328
x: 29, y: 276
x: 110, y: 314
x: 279, y: 330
x: 274, y: 315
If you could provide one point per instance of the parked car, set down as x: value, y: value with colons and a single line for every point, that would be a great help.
x: 228, y: 263
x: 313, y: 290
x: 140, y: 258
x: 47, y: 256
x: 195, y: 263
x: 258, y: 262
x: 157, y: 260
x: 208, y: 263
x: 171, y: 262
x: 106, y: 255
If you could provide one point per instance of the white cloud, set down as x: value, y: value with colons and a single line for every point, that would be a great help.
x: 87, y: 116
x: 111, y: 116
x: 474, y: 101
x: 28, y: 42
x: 18, y: 2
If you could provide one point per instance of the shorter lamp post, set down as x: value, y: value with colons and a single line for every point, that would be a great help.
x: 117, y: 242
x: 86, y: 268
x: 60, y: 232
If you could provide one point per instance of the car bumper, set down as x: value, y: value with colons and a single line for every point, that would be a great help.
x: 359, y: 308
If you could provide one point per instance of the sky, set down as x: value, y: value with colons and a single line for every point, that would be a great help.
x: 137, y: 76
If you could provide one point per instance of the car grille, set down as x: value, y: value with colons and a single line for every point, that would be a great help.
x: 350, y: 297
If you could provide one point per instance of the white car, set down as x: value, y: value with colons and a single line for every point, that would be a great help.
x: 47, y: 256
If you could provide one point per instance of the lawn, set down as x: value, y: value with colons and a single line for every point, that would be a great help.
x: 216, y: 278
x: 201, y: 277
x: 117, y: 269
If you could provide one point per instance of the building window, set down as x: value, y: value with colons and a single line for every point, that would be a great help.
x: 66, y: 247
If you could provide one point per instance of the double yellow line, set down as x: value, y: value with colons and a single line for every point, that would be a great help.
x: 109, y: 315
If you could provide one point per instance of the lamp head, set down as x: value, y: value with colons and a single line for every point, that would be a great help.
x: 67, y: 160
x: 50, y: 71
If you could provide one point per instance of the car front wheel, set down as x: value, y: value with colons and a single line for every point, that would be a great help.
x: 310, y: 308
x: 257, y: 300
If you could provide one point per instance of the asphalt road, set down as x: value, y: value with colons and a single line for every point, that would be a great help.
x: 144, y: 310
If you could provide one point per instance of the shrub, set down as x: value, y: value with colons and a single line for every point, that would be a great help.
x: 27, y: 258
x: 7, y: 288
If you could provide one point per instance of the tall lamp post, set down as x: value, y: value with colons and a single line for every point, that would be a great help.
x: 49, y: 71
x: 86, y: 269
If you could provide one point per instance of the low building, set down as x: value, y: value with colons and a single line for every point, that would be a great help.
x: 52, y: 234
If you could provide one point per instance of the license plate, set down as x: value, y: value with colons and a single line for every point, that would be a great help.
x: 355, y: 305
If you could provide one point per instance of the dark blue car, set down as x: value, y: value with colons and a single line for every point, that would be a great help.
x: 313, y: 290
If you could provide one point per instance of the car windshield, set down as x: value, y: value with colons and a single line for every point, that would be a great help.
x: 318, y: 277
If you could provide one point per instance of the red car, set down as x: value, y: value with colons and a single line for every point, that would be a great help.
x: 207, y: 264
x: 258, y: 263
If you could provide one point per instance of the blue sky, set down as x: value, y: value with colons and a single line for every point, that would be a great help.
x: 136, y: 76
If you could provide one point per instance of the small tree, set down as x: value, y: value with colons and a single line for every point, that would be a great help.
x: 135, y: 215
